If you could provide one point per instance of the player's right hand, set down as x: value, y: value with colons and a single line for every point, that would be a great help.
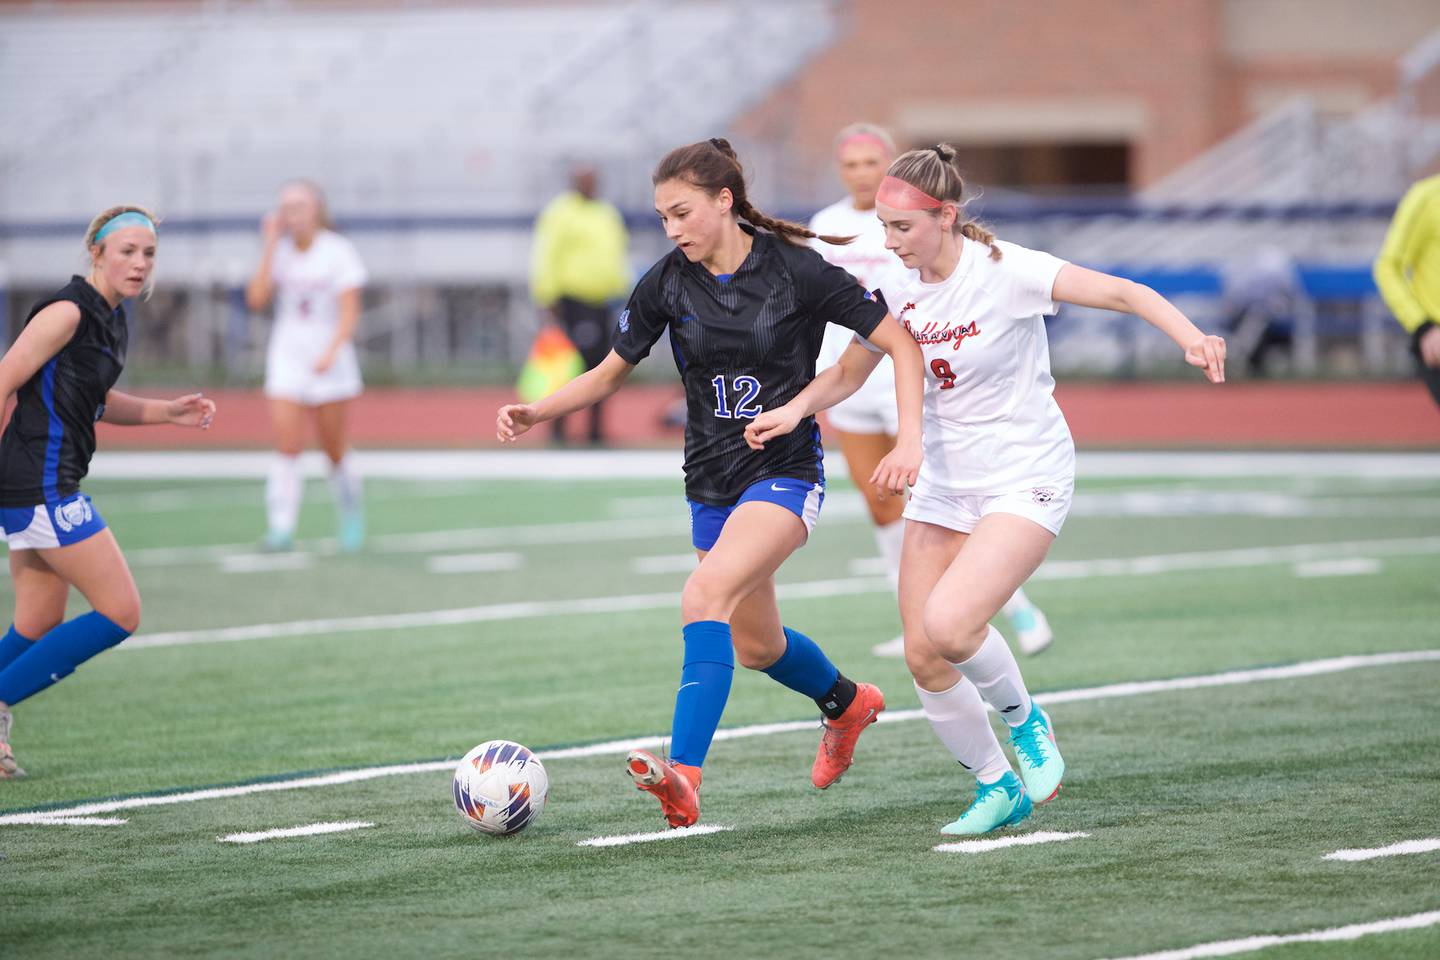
x: 513, y: 420
x: 769, y: 425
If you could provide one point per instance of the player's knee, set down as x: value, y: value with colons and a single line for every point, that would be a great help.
x: 124, y: 612
x: 705, y: 599
x: 927, y: 666
x: 955, y: 632
x: 754, y: 656
x: 33, y: 627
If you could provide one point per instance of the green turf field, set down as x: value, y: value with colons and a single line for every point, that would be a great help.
x: 1208, y: 810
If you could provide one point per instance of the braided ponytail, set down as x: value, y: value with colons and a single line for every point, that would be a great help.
x: 712, y: 166
x: 936, y: 171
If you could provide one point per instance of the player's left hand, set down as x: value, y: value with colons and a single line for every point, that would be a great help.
x: 191, y: 410
x: 769, y: 425
x: 1208, y: 353
x: 899, y: 468
x: 326, y: 361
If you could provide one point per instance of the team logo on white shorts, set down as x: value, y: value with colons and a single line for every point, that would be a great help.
x: 1043, y: 494
x: 74, y: 514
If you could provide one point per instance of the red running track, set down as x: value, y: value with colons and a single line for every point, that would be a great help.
x: 1238, y: 415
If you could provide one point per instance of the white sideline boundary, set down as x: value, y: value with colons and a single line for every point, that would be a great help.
x: 1354, y: 931
x: 619, y: 841
x: 1403, y: 848
x: 309, y: 830
x: 1000, y: 843
x: 1308, y: 668
x: 520, y: 610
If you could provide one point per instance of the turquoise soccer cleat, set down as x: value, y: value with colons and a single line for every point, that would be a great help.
x: 1003, y: 803
x: 352, y: 531
x: 1041, y: 766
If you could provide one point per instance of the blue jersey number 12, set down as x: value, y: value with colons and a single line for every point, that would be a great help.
x: 746, y: 390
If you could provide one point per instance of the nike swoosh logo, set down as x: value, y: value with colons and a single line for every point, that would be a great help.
x: 692, y: 683
x: 779, y: 489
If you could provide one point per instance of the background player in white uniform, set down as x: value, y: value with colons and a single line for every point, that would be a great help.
x: 315, y: 278
x: 999, y: 464
x: 865, y: 423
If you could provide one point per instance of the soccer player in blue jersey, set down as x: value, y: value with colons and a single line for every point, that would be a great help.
x: 62, y: 370
x: 745, y: 302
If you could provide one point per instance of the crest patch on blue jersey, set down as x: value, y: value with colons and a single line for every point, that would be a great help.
x: 624, y: 321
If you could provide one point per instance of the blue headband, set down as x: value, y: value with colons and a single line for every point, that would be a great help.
x: 129, y: 218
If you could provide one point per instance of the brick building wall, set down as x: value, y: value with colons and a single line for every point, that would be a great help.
x: 1169, y: 77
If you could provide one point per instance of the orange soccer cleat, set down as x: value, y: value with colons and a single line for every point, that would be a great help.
x: 837, y: 746
x: 675, y: 785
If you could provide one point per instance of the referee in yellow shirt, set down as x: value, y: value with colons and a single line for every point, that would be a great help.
x: 577, y: 269
x: 1408, y: 275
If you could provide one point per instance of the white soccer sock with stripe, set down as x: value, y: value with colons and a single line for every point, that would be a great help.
x: 890, y: 538
x: 996, y: 675
x: 345, y: 485
x: 959, y: 719
x: 1017, y: 602
x: 284, y: 487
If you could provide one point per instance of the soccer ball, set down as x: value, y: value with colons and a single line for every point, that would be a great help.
x: 500, y: 787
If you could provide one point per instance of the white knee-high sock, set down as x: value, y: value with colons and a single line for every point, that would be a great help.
x: 959, y: 719
x: 1017, y: 602
x: 890, y: 537
x: 345, y: 485
x: 996, y: 675
x: 283, y: 489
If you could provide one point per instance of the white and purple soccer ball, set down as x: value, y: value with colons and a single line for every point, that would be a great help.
x: 500, y: 787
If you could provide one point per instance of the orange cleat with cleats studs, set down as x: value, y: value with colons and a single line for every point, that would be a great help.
x: 675, y: 785
x: 837, y: 746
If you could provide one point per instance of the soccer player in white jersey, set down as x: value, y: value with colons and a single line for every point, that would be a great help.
x: 315, y: 278
x: 999, y: 463
x: 865, y: 423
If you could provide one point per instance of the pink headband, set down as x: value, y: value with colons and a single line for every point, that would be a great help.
x: 862, y: 138
x: 896, y: 193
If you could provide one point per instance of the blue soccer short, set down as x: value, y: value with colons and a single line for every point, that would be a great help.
x: 46, y: 525
x: 800, y: 497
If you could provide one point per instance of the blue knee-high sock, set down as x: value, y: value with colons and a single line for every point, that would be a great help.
x: 704, y: 688
x: 12, y: 645
x: 56, y: 655
x: 803, y: 667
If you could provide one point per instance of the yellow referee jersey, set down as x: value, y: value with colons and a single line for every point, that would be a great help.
x: 1408, y: 268
x: 579, y: 252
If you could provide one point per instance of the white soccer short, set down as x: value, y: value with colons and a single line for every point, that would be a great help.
x: 871, y: 409
x: 290, y: 374
x: 1046, y: 504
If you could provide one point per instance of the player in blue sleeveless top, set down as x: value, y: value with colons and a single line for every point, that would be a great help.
x: 62, y: 370
x: 745, y: 305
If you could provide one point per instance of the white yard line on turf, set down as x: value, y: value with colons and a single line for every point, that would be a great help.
x: 48, y: 821
x: 1228, y: 948
x: 1053, y: 570
x: 1308, y: 668
x: 669, y: 563
x: 1353, y: 567
x: 475, y: 562
x: 309, y: 830
x: 1403, y: 848
x: 680, y: 834
x: 266, y: 562
x: 1000, y: 843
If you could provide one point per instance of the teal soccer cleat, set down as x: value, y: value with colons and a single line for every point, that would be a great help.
x: 1041, y: 766
x: 352, y: 531
x: 1003, y: 803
